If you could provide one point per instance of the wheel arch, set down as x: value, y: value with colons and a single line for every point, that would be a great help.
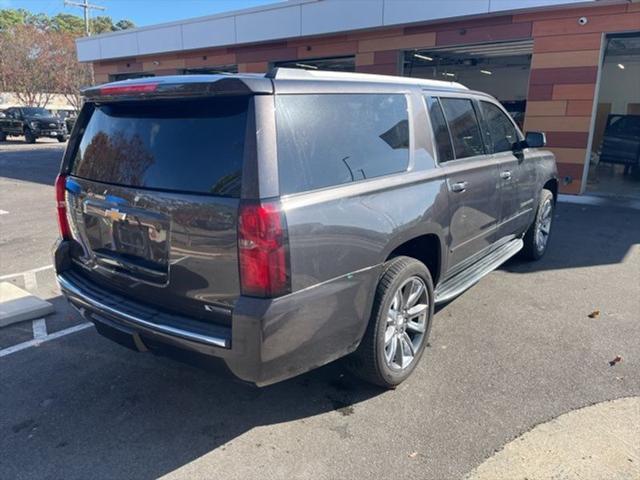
x: 425, y: 246
x: 552, y: 186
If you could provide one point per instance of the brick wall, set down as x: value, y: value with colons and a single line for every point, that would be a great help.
x: 564, y: 65
x: 563, y: 78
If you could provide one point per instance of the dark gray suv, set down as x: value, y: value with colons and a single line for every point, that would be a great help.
x: 278, y: 222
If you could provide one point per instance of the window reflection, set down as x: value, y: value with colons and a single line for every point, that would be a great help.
x: 192, y: 146
x: 326, y: 140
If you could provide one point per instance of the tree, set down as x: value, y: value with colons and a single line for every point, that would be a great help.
x: 71, y: 75
x: 62, y: 22
x: 28, y: 64
x: 124, y: 25
x: 41, y: 21
x: 12, y: 17
x: 101, y: 24
x: 38, y: 55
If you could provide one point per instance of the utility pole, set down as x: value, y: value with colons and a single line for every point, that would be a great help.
x: 87, y: 7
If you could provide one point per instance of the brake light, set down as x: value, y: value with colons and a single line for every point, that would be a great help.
x: 61, y: 206
x: 263, y: 250
x: 127, y: 89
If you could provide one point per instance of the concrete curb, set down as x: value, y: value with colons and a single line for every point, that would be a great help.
x: 597, y: 442
x: 18, y: 305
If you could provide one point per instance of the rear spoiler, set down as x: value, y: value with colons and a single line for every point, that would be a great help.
x: 179, y: 87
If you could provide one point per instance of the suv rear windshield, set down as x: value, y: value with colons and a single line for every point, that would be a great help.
x: 178, y: 145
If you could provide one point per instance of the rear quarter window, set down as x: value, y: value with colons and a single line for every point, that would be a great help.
x: 464, y: 127
x: 333, y: 139
x: 440, y: 130
x: 177, y: 145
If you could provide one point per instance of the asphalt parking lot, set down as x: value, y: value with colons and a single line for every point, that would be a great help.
x: 515, y: 351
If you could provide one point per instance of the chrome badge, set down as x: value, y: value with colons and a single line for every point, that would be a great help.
x: 115, y: 214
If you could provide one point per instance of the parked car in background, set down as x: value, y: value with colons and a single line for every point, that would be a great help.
x: 279, y: 222
x: 70, y: 121
x: 33, y: 123
x: 621, y: 141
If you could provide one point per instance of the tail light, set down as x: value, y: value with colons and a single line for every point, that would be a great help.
x: 129, y: 89
x: 263, y: 250
x: 61, y: 206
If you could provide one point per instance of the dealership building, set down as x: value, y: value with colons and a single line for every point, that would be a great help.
x: 570, y: 68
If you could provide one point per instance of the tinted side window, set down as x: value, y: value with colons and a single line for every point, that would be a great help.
x: 463, y: 124
x: 501, y: 134
x: 440, y: 131
x: 326, y: 140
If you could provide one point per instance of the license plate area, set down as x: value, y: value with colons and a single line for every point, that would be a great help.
x: 128, y: 240
x: 131, y: 239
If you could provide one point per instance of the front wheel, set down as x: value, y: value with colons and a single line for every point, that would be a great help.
x: 3, y: 137
x: 536, y: 239
x: 399, y: 326
x: 29, y: 137
x: 62, y: 138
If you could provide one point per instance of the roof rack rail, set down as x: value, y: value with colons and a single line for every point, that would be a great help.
x: 280, y: 73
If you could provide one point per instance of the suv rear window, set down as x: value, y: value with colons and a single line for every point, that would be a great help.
x: 332, y: 139
x: 178, y: 145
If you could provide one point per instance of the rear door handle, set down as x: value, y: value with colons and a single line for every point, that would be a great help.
x: 506, y: 175
x: 459, y: 187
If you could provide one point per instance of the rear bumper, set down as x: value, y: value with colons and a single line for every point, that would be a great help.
x: 269, y: 339
x: 94, y: 303
x: 42, y: 132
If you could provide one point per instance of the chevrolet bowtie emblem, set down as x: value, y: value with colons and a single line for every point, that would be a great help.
x: 115, y: 214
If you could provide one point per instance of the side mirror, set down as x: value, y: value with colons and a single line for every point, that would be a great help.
x: 535, y: 139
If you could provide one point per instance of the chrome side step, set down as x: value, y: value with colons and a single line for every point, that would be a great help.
x: 457, y: 284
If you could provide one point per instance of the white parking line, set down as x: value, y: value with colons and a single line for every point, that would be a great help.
x: 30, y: 281
x: 37, y: 341
x: 26, y: 272
x: 3, y: 212
x: 39, y: 327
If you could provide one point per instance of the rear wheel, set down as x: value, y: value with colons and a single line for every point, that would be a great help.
x: 62, y: 138
x: 29, y: 137
x: 536, y: 239
x: 3, y: 137
x: 399, y: 326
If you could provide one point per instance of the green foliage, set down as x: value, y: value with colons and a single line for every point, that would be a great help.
x: 124, y: 25
x: 62, y: 22
x: 102, y: 24
x: 11, y: 17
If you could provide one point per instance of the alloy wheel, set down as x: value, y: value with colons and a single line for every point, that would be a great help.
x: 406, y: 323
x: 544, y: 225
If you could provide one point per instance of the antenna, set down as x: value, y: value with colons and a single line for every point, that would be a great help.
x: 87, y: 7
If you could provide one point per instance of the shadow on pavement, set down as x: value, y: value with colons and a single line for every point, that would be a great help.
x: 83, y: 407
x: 29, y: 163
x: 122, y: 414
x: 585, y: 236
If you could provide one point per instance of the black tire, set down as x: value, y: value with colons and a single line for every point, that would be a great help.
x: 62, y: 138
x: 29, y: 137
x: 3, y: 137
x: 369, y: 360
x: 534, y: 248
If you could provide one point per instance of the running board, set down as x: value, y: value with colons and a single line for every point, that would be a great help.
x: 457, y: 284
